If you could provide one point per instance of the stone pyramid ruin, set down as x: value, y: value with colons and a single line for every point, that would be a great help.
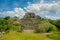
x: 29, y: 22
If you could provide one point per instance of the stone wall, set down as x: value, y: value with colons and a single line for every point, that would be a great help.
x: 29, y: 21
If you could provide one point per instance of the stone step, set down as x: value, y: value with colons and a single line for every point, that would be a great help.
x: 28, y: 31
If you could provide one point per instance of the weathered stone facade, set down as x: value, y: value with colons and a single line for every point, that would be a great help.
x: 29, y: 21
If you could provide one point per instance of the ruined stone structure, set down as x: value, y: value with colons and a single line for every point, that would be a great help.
x: 29, y: 22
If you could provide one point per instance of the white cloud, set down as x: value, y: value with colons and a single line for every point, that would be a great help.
x: 52, y: 17
x: 19, y: 12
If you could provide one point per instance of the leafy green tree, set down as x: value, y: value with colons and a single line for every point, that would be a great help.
x: 7, y: 17
x: 46, y: 26
x: 57, y: 23
x: 9, y: 23
x: 38, y: 17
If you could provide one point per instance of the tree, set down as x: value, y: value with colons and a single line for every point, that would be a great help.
x: 46, y: 26
x: 38, y: 17
x: 57, y: 23
x: 7, y: 17
x: 8, y: 23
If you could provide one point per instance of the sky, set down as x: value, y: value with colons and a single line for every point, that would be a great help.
x: 45, y: 8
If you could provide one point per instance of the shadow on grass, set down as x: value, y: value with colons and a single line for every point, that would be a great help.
x: 54, y: 36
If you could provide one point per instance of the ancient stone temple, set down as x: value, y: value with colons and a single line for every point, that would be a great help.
x: 29, y: 22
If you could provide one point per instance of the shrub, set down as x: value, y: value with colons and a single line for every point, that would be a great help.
x: 52, y: 28
x: 47, y: 27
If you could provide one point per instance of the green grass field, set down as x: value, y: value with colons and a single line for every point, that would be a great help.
x: 24, y: 36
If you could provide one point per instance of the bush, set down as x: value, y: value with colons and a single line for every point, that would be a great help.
x: 52, y: 28
x: 47, y: 27
x: 43, y: 27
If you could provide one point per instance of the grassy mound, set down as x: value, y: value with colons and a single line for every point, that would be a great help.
x: 24, y: 36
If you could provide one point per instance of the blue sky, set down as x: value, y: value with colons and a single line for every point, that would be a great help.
x: 44, y: 8
x: 10, y: 4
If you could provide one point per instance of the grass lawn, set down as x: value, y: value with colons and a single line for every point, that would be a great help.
x: 24, y: 36
x: 55, y: 36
